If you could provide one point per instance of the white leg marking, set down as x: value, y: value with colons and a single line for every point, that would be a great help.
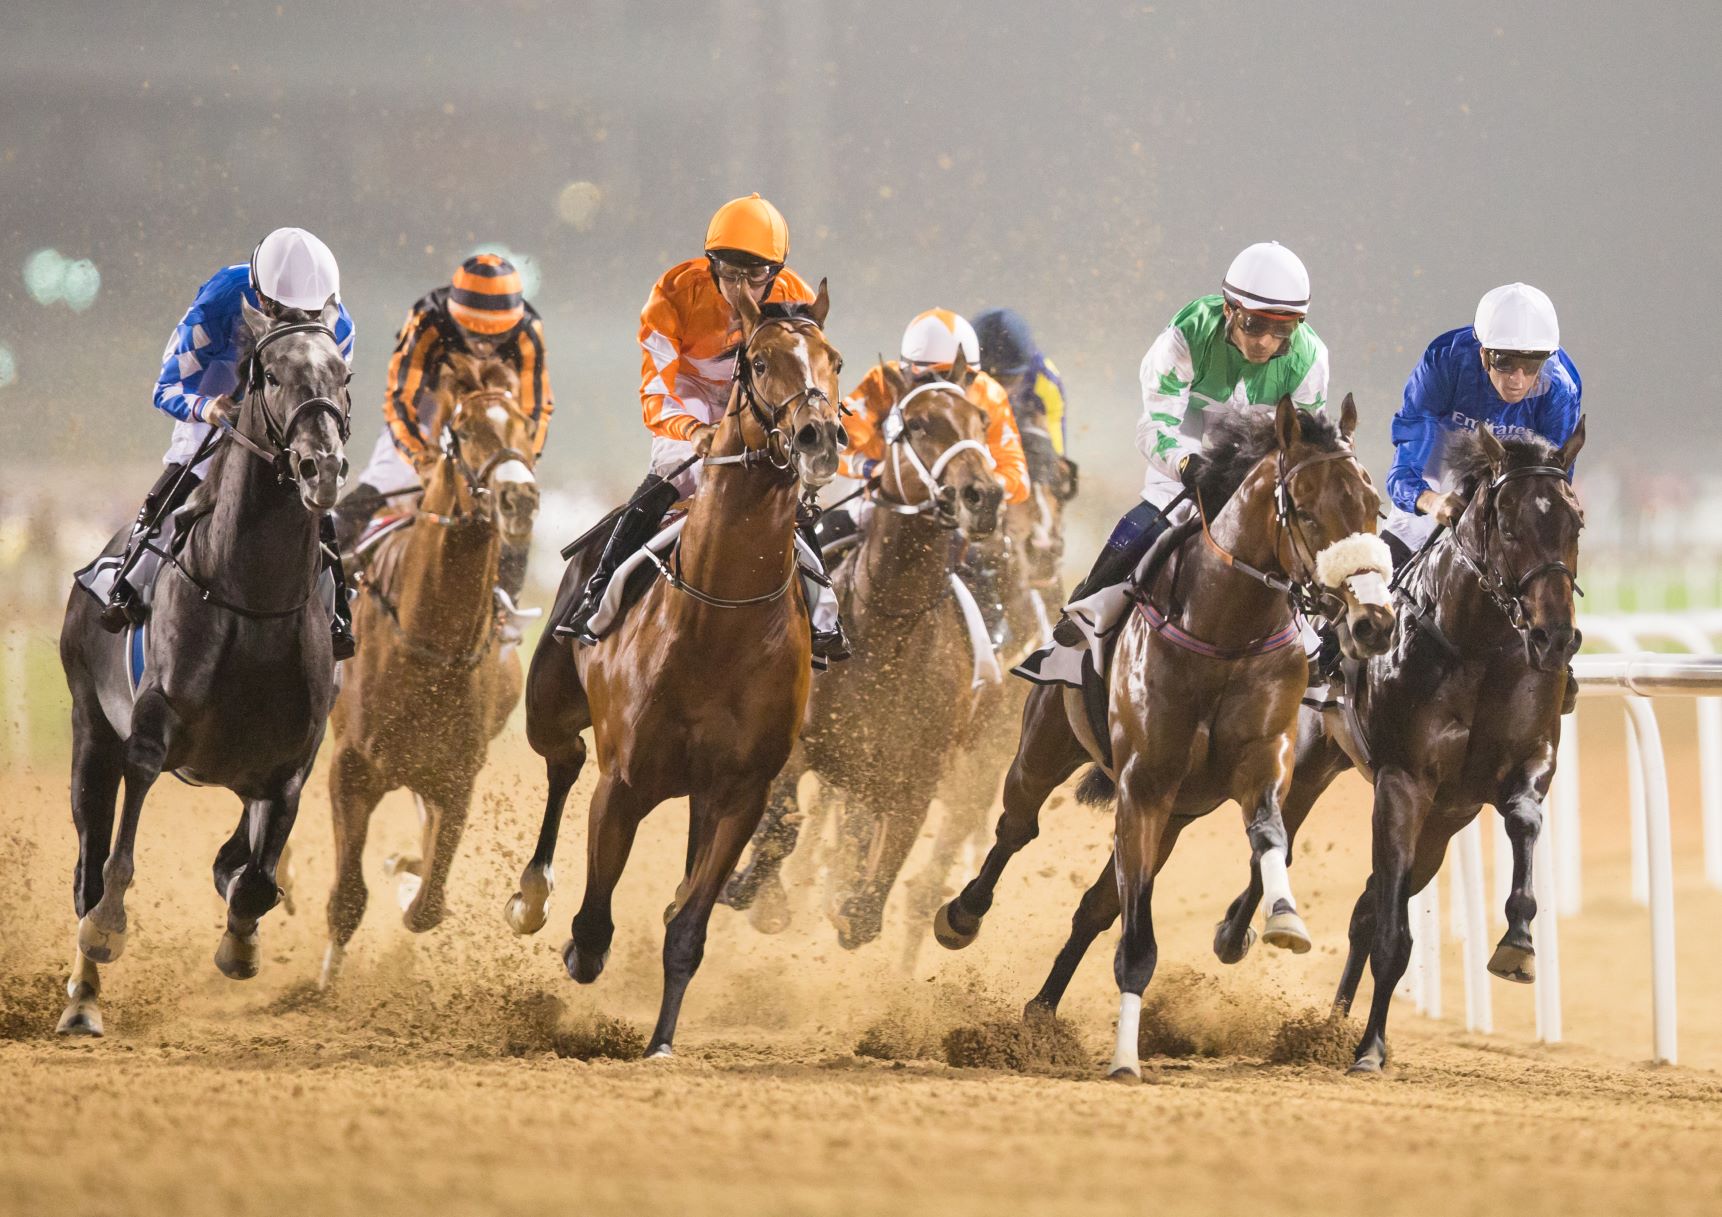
x: 1276, y: 884
x: 1124, y: 1055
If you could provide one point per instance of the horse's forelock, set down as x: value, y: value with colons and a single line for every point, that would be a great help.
x: 1236, y: 440
x: 1468, y: 458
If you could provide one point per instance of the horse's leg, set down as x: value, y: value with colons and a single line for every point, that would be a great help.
x: 355, y: 788
x: 722, y: 826
x: 252, y: 891
x: 98, y: 760
x: 902, y: 802
x: 1521, y: 804
x: 529, y: 907
x: 615, y: 816
x: 446, y: 807
x: 1048, y: 753
x: 758, y: 886
x: 1402, y: 803
x: 963, y: 816
x: 1145, y: 801
x: 102, y: 930
x: 1360, y: 934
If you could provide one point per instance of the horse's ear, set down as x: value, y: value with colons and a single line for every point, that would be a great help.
x: 746, y: 311
x: 1570, y: 450
x: 821, y: 305
x: 959, y: 367
x: 331, y: 311
x: 1287, y: 427
x: 895, y: 380
x: 1494, y: 451
x: 256, y: 320
x: 1347, y: 416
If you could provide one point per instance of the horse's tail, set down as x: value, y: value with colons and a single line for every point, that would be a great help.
x: 1096, y: 789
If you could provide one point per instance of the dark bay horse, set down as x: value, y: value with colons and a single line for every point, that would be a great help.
x: 432, y: 685
x: 881, y: 729
x: 1464, y: 710
x: 700, y: 689
x: 1204, y: 685
x: 239, y: 675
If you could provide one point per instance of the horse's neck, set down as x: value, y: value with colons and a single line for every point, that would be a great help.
x: 740, y: 533
x: 1245, y: 528
x: 1451, y: 590
x: 259, y: 537
x: 904, y: 560
x: 444, y: 580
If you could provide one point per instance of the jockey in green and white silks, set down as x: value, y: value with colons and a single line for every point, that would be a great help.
x: 1248, y: 345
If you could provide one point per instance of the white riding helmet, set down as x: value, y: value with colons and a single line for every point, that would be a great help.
x: 935, y: 337
x: 294, y: 268
x: 1517, y: 317
x: 1269, y: 278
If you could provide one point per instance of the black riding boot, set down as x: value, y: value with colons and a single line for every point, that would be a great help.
x: 830, y: 645
x: 341, y: 639
x: 168, y: 494
x: 510, y: 579
x: 355, y: 510
x: 634, y: 527
x: 1131, y: 539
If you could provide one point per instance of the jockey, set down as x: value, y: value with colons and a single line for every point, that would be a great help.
x: 1248, y: 345
x: 1009, y: 355
x: 482, y: 313
x: 1507, y: 370
x: 688, y: 340
x: 290, y: 271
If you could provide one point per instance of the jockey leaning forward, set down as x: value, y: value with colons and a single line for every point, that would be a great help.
x: 290, y: 272
x: 482, y: 313
x: 1036, y: 390
x: 689, y: 336
x: 1249, y: 345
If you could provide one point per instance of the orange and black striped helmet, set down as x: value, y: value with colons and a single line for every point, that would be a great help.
x: 487, y: 297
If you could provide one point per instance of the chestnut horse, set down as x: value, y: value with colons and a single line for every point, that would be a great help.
x: 881, y: 728
x: 1205, y: 683
x: 1464, y: 710
x: 699, y: 691
x: 432, y: 686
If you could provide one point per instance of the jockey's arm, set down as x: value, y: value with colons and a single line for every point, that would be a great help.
x: 1010, y: 464
x: 415, y: 349
x: 1416, y: 430
x: 1048, y: 388
x: 197, y: 345
x: 535, y: 383
x: 1167, y: 372
x: 867, y: 404
x: 660, y: 366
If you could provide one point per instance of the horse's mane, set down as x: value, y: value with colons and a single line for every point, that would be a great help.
x: 1235, y: 442
x: 1470, y: 463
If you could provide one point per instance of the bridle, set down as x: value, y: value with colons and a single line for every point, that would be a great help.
x: 477, y: 481
x: 896, y: 434
x: 1507, y: 593
x: 277, y: 455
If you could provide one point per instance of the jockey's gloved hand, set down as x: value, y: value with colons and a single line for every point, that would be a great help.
x: 1445, y: 508
x: 219, y: 410
x: 702, y: 437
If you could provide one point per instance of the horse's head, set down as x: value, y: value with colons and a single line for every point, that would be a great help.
x: 1328, y: 509
x: 488, y: 443
x: 1036, y: 525
x: 1520, y: 530
x: 936, y: 453
x: 296, y: 405
x: 786, y: 385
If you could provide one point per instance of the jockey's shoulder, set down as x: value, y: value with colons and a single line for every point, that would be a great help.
x: 988, y: 393
x: 221, y: 294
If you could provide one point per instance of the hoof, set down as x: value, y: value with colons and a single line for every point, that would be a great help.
x: 1367, y: 1065
x: 405, y: 873
x: 419, y: 919
x: 769, y: 913
x: 952, y: 937
x: 1126, y: 1075
x: 530, y: 906
x: 1286, y: 930
x: 582, y: 969
x: 237, y: 957
x: 80, y: 1018
x: 1039, y: 1009
x: 1220, y: 943
x: 100, y: 945
x: 332, y: 958
x: 1517, y: 964
x: 660, y: 1053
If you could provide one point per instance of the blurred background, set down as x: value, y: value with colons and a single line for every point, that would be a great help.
x: 1095, y: 166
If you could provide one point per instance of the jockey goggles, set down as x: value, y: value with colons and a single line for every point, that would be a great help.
x: 1275, y: 325
x: 752, y: 274
x: 1528, y: 363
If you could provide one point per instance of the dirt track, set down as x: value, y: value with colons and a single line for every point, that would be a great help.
x: 439, y: 1078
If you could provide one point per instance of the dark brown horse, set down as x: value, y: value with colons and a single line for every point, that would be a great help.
x: 1205, y: 683
x: 881, y: 728
x: 701, y: 688
x: 432, y: 685
x: 1464, y: 710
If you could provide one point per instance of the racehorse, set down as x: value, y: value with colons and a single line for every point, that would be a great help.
x: 881, y: 729
x: 1464, y: 710
x: 239, y: 675
x: 1204, y: 685
x: 700, y: 689
x: 433, y: 685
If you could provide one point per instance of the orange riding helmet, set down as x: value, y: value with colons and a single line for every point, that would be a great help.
x: 750, y: 226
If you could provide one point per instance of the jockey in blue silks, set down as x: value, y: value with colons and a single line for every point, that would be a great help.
x: 1507, y: 370
x: 290, y: 270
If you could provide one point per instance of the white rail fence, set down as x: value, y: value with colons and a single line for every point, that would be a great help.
x: 1634, y: 677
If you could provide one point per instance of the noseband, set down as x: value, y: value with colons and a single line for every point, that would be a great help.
x: 276, y: 455
x: 1507, y: 593
x: 768, y: 416
x: 896, y: 433
x: 477, y: 481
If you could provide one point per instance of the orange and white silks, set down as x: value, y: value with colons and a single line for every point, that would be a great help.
x: 872, y: 400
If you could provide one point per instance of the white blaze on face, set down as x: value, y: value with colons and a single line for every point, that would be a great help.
x: 513, y: 471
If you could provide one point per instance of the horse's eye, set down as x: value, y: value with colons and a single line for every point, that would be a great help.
x: 349, y: 379
x: 269, y: 377
x: 837, y: 368
x: 759, y: 365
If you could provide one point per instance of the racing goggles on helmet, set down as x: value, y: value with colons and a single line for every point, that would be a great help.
x: 742, y: 268
x: 1527, y: 363
x: 1273, y: 325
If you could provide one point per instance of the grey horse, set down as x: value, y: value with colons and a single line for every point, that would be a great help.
x: 239, y: 676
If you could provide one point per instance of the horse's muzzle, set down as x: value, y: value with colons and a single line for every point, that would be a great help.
x: 815, y: 448
x: 318, y: 478
x: 1549, y: 648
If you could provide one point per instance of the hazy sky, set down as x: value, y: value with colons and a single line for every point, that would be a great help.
x: 1094, y: 165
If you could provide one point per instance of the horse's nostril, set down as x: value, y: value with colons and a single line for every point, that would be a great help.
x: 971, y: 496
x: 307, y: 469
x: 807, y: 438
x: 842, y: 439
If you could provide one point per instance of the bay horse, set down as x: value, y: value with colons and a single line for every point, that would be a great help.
x: 700, y: 689
x: 880, y: 730
x: 1464, y: 710
x: 239, y: 674
x: 433, y: 685
x: 1204, y: 685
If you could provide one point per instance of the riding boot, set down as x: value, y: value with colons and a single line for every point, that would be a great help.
x: 637, y: 524
x: 355, y: 510
x: 510, y: 579
x: 831, y: 645
x: 168, y: 494
x: 1131, y: 539
x: 341, y: 639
